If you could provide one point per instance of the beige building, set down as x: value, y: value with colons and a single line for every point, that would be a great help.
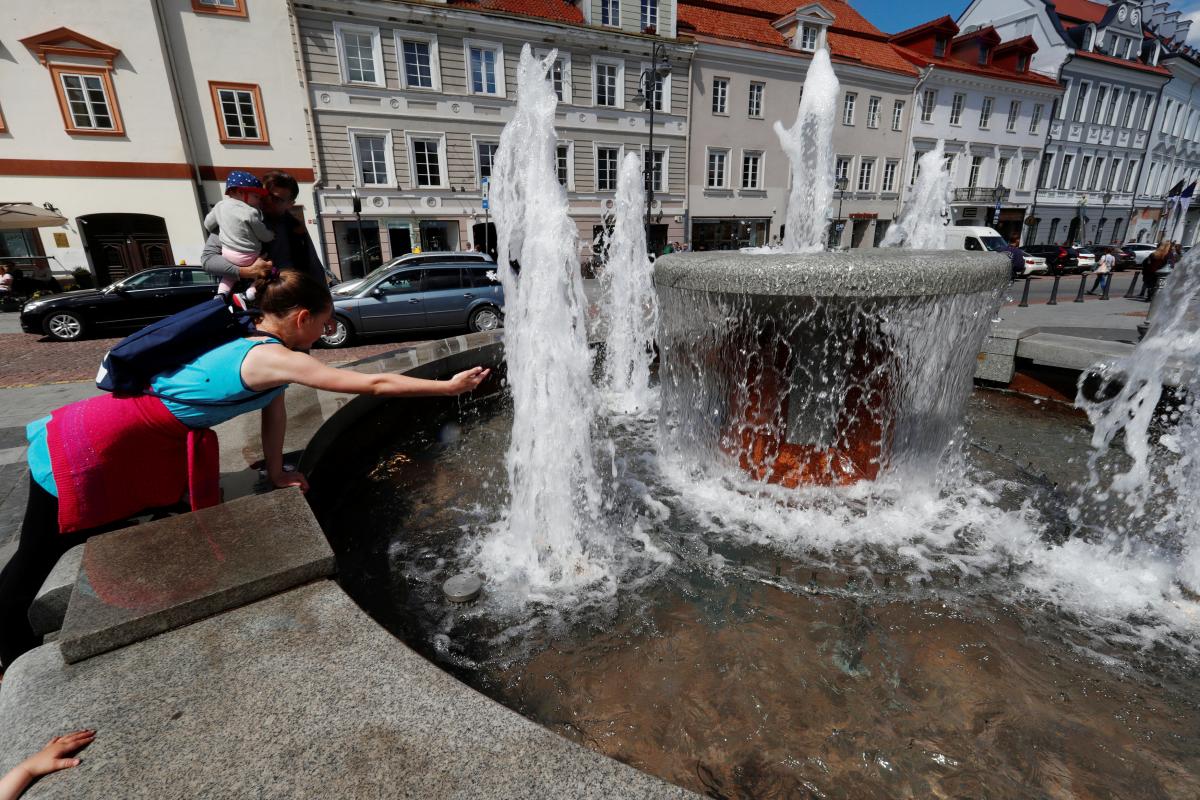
x: 126, y: 116
x: 409, y: 99
x: 748, y: 72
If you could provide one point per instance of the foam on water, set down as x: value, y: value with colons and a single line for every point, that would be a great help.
x: 921, y: 225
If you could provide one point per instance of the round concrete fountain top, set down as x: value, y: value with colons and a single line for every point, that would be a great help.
x: 885, y: 272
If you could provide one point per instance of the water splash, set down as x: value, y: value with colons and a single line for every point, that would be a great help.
x: 546, y: 544
x: 808, y: 145
x: 922, y: 223
x: 630, y: 304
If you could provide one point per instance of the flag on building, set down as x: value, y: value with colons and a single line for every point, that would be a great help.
x: 1185, y: 198
x: 1173, y: 195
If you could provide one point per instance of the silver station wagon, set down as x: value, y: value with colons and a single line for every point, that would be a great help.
x: 411, y: 295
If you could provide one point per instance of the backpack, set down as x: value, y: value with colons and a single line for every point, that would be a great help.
x: 170, y: 343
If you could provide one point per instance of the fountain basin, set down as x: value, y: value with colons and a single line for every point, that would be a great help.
x: 820, y: 368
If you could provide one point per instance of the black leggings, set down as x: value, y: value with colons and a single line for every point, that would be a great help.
x: 39, y: 549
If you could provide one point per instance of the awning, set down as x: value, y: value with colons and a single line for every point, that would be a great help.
x: 14, y: 216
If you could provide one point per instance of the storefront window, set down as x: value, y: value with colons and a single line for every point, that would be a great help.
x: 729, y: 234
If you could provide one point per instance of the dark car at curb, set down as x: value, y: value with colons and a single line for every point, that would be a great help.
x: 129, y: 303
x: 412, y: 295
x: 1059, y: 260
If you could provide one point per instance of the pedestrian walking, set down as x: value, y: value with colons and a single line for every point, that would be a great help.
x: 1104, y: 272
x: 1157, y: 260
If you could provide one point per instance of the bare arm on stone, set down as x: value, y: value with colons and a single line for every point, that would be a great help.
x: 58, y: 754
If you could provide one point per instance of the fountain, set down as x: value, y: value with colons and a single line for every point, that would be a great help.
x: 800, y: 571
x: 921, y: 224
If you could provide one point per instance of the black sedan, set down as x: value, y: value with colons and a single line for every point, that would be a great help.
x: 1059, y: 260
x: 132, y: 302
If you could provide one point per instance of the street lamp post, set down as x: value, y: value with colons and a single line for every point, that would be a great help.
x: 841, y: 182
x: 356, y: 201
x: 1106, y: 198
x: 1082, y: 229
x: 660, y: 67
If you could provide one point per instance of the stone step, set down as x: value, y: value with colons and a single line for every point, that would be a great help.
x: 50, y: 606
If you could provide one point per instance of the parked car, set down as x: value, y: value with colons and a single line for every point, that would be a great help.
x: 417, y: 295
x: 1060, y: 260
x: 974, y: 237
x: 1141, y: 251
x: 1033, y: 265
x: 132, y: 302
x: 1087, y: 258
x: 1124, y: 258
x: 351, y: 286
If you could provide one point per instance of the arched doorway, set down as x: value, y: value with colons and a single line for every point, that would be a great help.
x: 122, y: 244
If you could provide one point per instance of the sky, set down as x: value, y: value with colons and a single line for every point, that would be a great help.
x: 893, y: 16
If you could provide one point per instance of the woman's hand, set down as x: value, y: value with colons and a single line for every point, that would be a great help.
x: 283, y: 479
x: 467, y: 381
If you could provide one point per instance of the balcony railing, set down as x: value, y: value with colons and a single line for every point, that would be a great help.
x: 978, y: 194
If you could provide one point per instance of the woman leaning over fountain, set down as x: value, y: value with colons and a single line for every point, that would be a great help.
x: 96, y: 463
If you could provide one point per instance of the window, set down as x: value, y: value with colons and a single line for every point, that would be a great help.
x: 610, y: 13
x: 1022, y: 182
x: 1147, y: 112
x: 973, y: 174
x: 1116, y: 45
x: 229, y: 8
x: 87, y: 100
x: 418, y: 61
x: 560, y: 75
x: 1060, y: 102
x: 1002, y: 170
x: 984, y: 54
x: 485, y: 156
x: 239, y: 114
x: 1130, y: 103
x: 1081, y: 101
x: 607, y: 159
x: 1081, y: 179
x: 361, y: 54
x: 985, y: 112
x: 1054, y: 223
x: 650, y: 14
x: 1128, y: 47
x: 1044, y: 171
x: 1098, y: 106
x: 607, y: 79
x: 372, y: 156
x: 939, y: 47
x: 1097, y: 174
x: 866, y: 174
x: 956, y: 108
x: 658, y: 164
x: 755, y: 104
x: 1131, y: 175
x: 841, y: 170
x: 1065, y: 174
x: 720, y: 93
x: 1110, y: 113
x: 916, y: 170
x: 716, y: 168
x: 897, y: 115
x: 873, y: 112
x: 808, y: 38
x: 427, y: 172
x: 889, y: 176
x: 565, y: 164
x: 1115, y: 176
x: 1023, y: 62
x: 751, y: 170
x: 1014, y: 113
x: 948, y: 163
x: 485, y: 65
x: 662, y: 90
x: 848, y: 108
x: 928, y: 102
x: 1035, y: 119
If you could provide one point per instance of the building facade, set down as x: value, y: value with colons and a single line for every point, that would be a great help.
x: 749, y: 70
x: 978, y: 95
x: 127, y: 116
x: 409, y: 99
x: 1095, y: 155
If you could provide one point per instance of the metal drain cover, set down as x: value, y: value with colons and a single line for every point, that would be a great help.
x: 462, y: 588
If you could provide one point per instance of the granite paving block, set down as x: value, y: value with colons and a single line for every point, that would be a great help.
x: 142, y: 581
x: 50, y: 606
x: 1000, y: 345
x: 300, y: 695
x: 995, y: 367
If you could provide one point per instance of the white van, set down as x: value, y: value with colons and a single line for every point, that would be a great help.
x: 972, y: 237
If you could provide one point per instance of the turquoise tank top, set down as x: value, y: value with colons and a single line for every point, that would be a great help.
x: 215, y: 376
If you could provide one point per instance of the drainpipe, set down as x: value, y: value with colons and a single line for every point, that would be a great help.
x: 314, y: 139
x: 164, y: 39
x: 925, y: 73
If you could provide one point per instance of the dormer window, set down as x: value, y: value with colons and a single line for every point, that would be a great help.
x: 1023, y: 62
x: 985, y: 52
x: 805, y: 27
x: 939, y: 47
x: 808, y: 38
x: 1089, y: 38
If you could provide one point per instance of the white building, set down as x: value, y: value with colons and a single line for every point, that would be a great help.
x: 126, y: 115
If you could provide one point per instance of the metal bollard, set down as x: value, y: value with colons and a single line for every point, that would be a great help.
x: 1107, y: 286
x: 1082, y: 285
x: 1053, y: 301
x: 1025, y: 295
x: 1132, y: 290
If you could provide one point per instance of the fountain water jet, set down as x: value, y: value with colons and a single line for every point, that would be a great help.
x: 922, y: 223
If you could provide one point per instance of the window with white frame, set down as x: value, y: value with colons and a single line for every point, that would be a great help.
x: 1131, y: 98
x: 1098, y: 106
x: 87, y: 99
x: 1035, y: 119
x: 956, y: 108
x: 720, y: 95
x: 928, y: 103
x: 607, y: 159
x: 718, y: 160
x: 848, y: 108
x: 808, y: 38
x: 606, y: 79
x: 1081, y: 98
x: 841, y: 169
x: 1131, y: 175
x: 1097, y: 174
x: 649, y: 14
x: 231, y: 7
x: 939, y: 46
x: 560, y: 75
x: 948, y: 161
x: 418, y: 61
x: 1081, y: 178
x: 485, y: 68
x: 985, y: 112
x: 897, y: 115
x: 239, y: 113
x: 662, y: 90
x: 752, y: 169
x: 1064, y: 176
x: 372, y: 157
x: 658, y: 169
x: 873, y: 105
x: 485, y: 156
x: 1060, y: 103
x: 565, y: 163
x: 361, y: 54
x: 1115, y: 175
x: 610, y: 13
x: 755, y: 102
x: 1110, y: 113
x: 1014, y: 113
x: 1002, y: 170
x: 866, y: 174
x: 427, y: 168
x: 973, y: 173
x: 888, y: 183
x: 1022, y: 181
x: 1044, y: 171
x: 916, y: 169
x: 1147, y: 112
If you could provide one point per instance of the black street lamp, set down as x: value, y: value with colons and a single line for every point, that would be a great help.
x: 841, y: 182
x: 660, y: 67
x: 1106, y: 198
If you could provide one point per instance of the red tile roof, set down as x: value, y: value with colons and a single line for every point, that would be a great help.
x: 555, y: 10
x: 1080, y: 10
x: 921, y: 60
x: 851, y: 38
x: 1121, y: 62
